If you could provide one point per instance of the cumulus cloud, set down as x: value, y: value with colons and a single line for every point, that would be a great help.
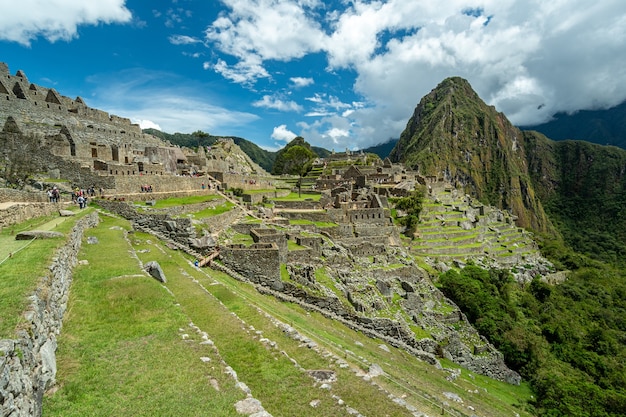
x: 529, y: 58
x: 146, y: 124
x: 281, y: 133
x: 270, y: 102
x: 56, y: 20
x: 259, y: 30
x: 300, y: 82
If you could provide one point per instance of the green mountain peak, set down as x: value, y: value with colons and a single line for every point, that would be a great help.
x: 455, y: 137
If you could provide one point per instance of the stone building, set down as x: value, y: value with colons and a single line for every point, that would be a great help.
x: 106, y: 144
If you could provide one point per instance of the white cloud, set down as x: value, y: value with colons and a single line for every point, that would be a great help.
x: 147, y: 124
x: 529, y: 58
x: 242, y: 72
x: 299, y: 82
x: 270, y: 102
x: 259, y: 30
x: 26, y: 20
x: 283, y: 134
x: 165, y: 100
x: 183, y: 40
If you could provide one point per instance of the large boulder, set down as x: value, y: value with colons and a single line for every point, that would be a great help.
x: 37, y: 234
x: 154, y: 269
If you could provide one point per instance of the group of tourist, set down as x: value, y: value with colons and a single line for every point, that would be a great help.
x: 54, y: 196
x: 146, y: 188
x: 80, y: 196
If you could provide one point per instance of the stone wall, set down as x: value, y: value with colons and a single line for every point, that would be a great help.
x: 28, y: 362
x: 18, y: 213
x: 259, y: 263
x: 43, y: 110
x: 272, y: 236
x: 162, y: 183
x: 9, y: 194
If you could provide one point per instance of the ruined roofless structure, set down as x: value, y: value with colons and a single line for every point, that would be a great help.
x: 70, y: 129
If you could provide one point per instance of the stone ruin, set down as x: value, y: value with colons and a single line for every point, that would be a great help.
x: 68, y: 130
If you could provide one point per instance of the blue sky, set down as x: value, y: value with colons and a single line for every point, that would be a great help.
x: 342, y: 74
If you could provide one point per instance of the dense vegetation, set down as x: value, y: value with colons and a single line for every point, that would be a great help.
x: 412, y: 206
x: 568, y: 340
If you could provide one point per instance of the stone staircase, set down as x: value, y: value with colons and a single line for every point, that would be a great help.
x: 454, y: 227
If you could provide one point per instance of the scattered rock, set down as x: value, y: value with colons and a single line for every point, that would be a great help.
x: 214, y: 384
x: 154, y: 269
x: 249, y: 406
x: 323, y: 375
x: 452, y: 396
x: 375, y: 370
x: 66, y: 213
x: 384, y: 347
x: 92, y: 240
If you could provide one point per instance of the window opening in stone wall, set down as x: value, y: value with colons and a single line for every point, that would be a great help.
x: 94, y: 152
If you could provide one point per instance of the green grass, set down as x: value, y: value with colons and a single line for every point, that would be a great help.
x: 180, y: 201
x: 291, y: 245
x: 267, y: 191
x: 24, y: 263
x: 296, y: 197
x: 121, y: 351
x: 304, y: 222
x: 241, y: 238
x: 214, y: 211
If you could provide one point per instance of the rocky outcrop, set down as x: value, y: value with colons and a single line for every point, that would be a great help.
x: 28, y: 362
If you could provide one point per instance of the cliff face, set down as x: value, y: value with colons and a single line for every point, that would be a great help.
x: 453, y: 135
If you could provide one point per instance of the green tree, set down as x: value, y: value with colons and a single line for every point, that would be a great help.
x: 295, y: 159
x: 412, y: 205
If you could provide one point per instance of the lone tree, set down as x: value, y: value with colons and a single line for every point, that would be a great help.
x: 412, y: 206
x: 295, y: 159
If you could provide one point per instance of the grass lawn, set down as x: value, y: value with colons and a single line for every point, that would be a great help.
x: 123, y: 349
x: 304, y: 222
x: 210, y: 212
x: 181, y: 201
x: 296, y: 197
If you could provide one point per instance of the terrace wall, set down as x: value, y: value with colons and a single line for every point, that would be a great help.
x: 28, y: 362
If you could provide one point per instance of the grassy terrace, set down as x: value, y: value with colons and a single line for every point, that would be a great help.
x: 181, y: 201
x: 296, y: 197
x: 23, y: 263
x: 209, y: 212
x: 127, y: 348
x: 304, y: 222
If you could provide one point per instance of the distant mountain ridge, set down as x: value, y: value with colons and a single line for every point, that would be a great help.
x: 604, y: 127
